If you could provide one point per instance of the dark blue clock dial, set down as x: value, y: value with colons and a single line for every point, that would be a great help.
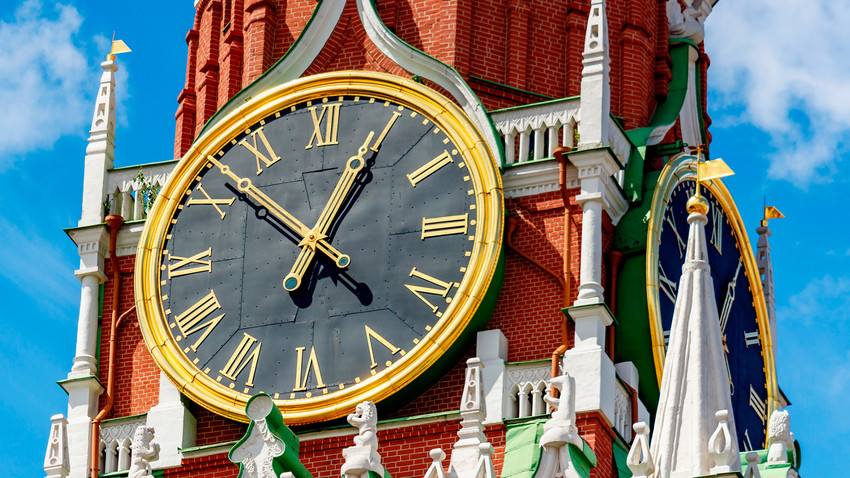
x: 735, y: 304
x: 388, y: 200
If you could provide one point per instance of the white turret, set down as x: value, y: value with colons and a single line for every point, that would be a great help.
x: 695, y: 385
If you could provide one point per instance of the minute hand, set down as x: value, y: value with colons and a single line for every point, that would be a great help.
x: 355, y: 163
x: 290, y: 221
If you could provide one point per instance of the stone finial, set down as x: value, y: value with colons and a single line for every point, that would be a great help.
x: 143, y: 451
x: 466, y: 452
x: 56, y: 457
x: 720, y: 443
x: 436, y: 469
x: 779, y: 437
x: 485, y: 468
x: 688, y: 23
x: 639, y: 459
x: 595, y: 86
x: 269, y: 449
x: 363, y: 457
x: 752, y: 470
x: 561, y: 428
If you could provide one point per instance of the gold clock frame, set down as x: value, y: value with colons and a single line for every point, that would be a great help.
x: 486, y: 180
x: 680, y: 168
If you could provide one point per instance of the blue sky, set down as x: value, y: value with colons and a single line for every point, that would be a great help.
x: 781, y: 115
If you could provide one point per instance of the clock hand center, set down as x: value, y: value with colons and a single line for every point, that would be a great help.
x: 245, y: 185
x: 346, y: 181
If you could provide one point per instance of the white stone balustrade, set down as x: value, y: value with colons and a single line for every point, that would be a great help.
x: 540, y: 128
x: 623, y: 411
x: 116, y: 436
x: 525, y: 387
x: 124, y: 190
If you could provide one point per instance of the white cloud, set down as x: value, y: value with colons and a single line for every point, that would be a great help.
x: 783, y: 61
x: 44, y: 80
x: 38, y: 269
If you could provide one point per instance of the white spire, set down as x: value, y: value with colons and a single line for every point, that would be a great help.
x: 695, y: 385
x: 100, y: 153
x: 595, y: 87
x: 765, y: 267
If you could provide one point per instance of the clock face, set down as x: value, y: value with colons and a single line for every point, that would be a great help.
x: 326, y: 248
x: 742, y: 324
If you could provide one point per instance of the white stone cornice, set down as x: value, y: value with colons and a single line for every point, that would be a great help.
x: 596, y: 168
x: 92, y: 243
x: 525, y: 118
x: 528, y: 179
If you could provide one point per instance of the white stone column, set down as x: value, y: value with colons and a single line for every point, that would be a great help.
x: 175, y: 426
x: 85, y: 363
x: 590, y: 289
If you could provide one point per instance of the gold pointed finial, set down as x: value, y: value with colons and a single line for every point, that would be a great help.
x: 770, y: 212
x: 118, y: 46
x: 706, y: 170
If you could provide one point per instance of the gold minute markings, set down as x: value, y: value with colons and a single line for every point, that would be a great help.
x: 269, y: 158
x: 189, y: 322
x: 241, y: 357
x: 442, y: 289
x: 429, y: 168
x: 210, y: 201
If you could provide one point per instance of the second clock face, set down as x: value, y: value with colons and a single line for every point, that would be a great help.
x: 321, y: 245
x: 734, y: 293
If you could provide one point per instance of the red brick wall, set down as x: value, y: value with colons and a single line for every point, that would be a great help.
x: 526, y: 50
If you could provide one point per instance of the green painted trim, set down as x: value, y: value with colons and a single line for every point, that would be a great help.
x: 128, y: 417
x: 542, y: 103
x: 288, y: 461
x: 414, y: 418
x: 665, y: 113
x: 69, y: 230
x: 533, y: 161
x: 583, y: 460
x: 62, y: 383
x: 508, y: 87
x: 118, y: 474
x: 600, y: 148
x: 193, y: 449
x: 522, y: 450
x: 137, y: 166
x: 621, y: 452
x: 566, y: 310
x: 513, y: 422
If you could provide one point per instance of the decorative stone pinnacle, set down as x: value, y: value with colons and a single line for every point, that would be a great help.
x: 143, y: 451
x: 363, y: 457
x: 639, y: 459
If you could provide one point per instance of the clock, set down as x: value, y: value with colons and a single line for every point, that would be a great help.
x: 740, y: 302
x: 336, y: 239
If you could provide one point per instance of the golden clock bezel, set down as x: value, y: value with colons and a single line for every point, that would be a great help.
x: 482, y: 266
x: 683, y: 167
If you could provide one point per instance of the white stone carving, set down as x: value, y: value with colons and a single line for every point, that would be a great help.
x: 56, y: 458
x: 363, y: 457
x: 623, y: 412
x: 559, y: 432
x: 688, y: 23
x: 639, y: 459
x: 689, y: 115
x: 116, y: 440
x: 436, y: 469
x: 695, y: 383
x: 545, y: 126
x: 423, y: 65
x: 144, y: 451
x: 466, y: 452
x: 595, y: 86
x: 485, y: 468
x: 780, y: 439
x: 720, y: 444
x: 526, y: 385
x: 752, y: 470
x: 261, y: 447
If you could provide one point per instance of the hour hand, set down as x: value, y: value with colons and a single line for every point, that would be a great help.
x: 290, y: 221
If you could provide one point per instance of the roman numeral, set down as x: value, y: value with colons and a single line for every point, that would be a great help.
x: 752, y: 338
x: 442, y: 289
x: 748, y: 445
x: 758, y: 405
x: 240, y: 359
x: 443, y: 226
x: 386, y: 130
x: 312, y: 365
x: 189, y: 321
x: 679, y: 240
x: 267, y: 160
x: 717, y: 228
x: 330, y: 114
x: 179, y: 268
x: 666, y: 285
x: 371, y: 334
x: 210, y: 201
x: 429, y: 168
